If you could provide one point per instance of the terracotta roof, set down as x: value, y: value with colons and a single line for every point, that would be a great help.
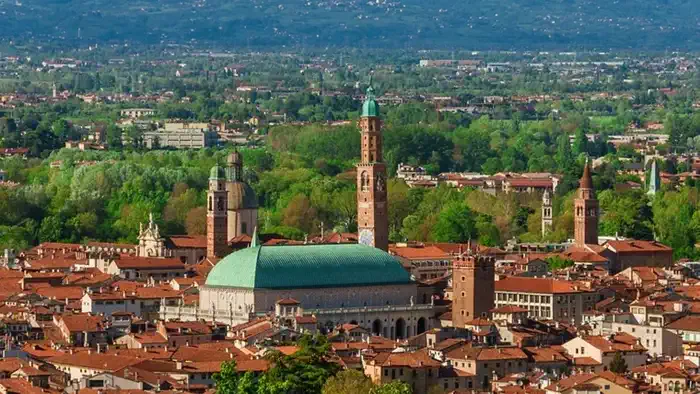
x: 11, y: 364
x: 83, y: 322
x: 135, y: 262
x: 524, y: 182
x: 419, y: 253
x: 537, y: 285
x: 619, y: 344
x: 509, y: 309
x: 479, y: 322
x: 417, y: 359
x: 544, y: 354
x: 687, y: 323
x: 306, y: 319
x: 150, y: 337
x: 61, y: 292
x: 582, y: 255
x: 12, y: 386
x: 189, y: 241
x: 476, y: 353
x: 635, y: 246
x: 288, y: 301
x: 98, y: 361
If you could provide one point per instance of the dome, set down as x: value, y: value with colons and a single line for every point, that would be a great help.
x: 370, y: 107
x: 241, y: 196
x: 234, y: 158
x: 217, y: 173
x: 307, y: 266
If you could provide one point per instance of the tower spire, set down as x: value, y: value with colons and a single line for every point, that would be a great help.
x: 586, y: 211
x: 654, y: 180
x: 254, y: 240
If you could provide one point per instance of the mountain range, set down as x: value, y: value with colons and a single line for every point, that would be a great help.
x: 414, y: 24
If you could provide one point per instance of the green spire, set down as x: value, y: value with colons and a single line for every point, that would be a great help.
x: 654, y: 179
x: 370, y: 106
x: 255, y: 241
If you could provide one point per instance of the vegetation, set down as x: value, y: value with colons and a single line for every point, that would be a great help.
x: 618, y: 364
x: 308, y: 371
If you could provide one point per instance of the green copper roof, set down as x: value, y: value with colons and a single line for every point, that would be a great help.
x: 217, y: 173
x: 303, y: 266
x: 370, y: 106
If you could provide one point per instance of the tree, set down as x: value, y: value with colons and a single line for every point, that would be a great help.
x: 51, y: 229
x: 618, y: 364
x: 580, y: 142
x: 300, y: 214
x: 395, y: 387
x: 557, y: 263
x: 348, y: 382
x: 114, y: 137
x: 455, y: 223
x: 196, y: 221
x: 230, y: 381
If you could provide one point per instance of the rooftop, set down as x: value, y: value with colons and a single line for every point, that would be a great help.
x: 305, y: 266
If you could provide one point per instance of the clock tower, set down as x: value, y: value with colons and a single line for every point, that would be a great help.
x: 372, y: 217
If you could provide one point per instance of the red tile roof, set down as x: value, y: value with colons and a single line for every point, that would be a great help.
x: 636, y: 246
x: 83, y: 322
x: 189, y: 241
x: 537, y: 285
x: 687, y: 323
x: 134, y: 262
x: 98, y: 361
x: 419, y: 253
x: 417, y: 359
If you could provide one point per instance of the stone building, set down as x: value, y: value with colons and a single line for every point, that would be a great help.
x: 546, y: 299
x: 343, y: 283
x: 189, y: 249
x: 472, y: 289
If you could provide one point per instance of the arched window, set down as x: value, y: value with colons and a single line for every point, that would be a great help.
x: 364, y: 181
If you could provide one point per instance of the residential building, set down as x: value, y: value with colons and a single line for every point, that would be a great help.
x: 603, y: 349
x: 546, y: 298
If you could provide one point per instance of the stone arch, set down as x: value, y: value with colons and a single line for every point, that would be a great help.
x: 421, y: 326
x: 400, y: 328
x: 377, y: 327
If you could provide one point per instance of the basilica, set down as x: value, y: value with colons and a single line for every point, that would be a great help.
x: 335, y: 283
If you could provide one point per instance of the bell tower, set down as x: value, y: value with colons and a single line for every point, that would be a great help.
x: 372, y: 218
x: 217, y: 216
x: 546, y: 212
x: 586, y: 211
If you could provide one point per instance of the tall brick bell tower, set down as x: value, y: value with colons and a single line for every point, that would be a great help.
x: 217, y: 206
x: 372, y: 217
x: 586, y: 211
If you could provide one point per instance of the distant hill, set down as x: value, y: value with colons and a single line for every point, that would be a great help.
x: 416, y: 24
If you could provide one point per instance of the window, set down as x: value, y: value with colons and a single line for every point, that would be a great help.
x: 244, y: 227
x: 401, y: 371
x: 386, y: 372
x: 607, y: 387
